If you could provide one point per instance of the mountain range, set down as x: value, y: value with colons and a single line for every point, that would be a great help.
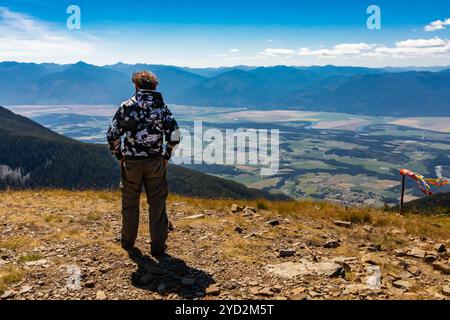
x: 356, y: 90
x: 32, y: 156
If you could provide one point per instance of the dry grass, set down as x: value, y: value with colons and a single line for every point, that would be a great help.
x: 9, y: 276
x: 31, y: 256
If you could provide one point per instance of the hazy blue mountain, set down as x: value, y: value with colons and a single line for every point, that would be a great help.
x: 395, y: 94
x: 328, y: 88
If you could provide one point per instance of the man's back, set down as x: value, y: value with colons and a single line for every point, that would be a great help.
x: 144, y: 120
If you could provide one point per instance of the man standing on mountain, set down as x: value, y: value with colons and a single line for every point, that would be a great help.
x: 145, y: 121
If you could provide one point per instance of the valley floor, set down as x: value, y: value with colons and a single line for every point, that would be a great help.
x: 270, y: 250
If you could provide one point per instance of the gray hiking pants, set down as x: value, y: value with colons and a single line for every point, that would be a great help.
x: 152, y: 175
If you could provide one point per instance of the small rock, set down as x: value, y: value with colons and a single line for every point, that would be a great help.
x: 7, y: 294
x: 235, y: 208
x: 430, y: 258
x: 196, y: 216
x: 298, y: 297
x: 3, y: 262
x: 440, y: 248
x: 25, y: 289
x: 445, y: 268
x: 446, y: 291
x: 265, y: 292
x: 274, y: 222
x: 249, y: 210
x: 345, y: 224
x: 238, y: 229
x: 332, y: 244
x: 314, y: 294
x: 287, y: 253
x: 415, y: 271
x: 36, y: 263
x: 89, y: 284
x: 100, y: 295
x: 402, y: 284
x: 213, y: 290
x: 400, y: 252
x: 417, y: 253
x: 371, y: 259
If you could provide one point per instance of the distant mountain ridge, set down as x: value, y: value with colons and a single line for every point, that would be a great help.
x: 358, y: 90
x: 32, y: 156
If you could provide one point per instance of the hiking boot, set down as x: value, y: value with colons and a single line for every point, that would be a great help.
x: 159, y: 253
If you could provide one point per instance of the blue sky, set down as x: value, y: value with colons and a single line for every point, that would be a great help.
x: 223, y: 33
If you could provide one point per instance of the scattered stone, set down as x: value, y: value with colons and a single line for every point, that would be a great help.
x: 417, y: 253
x: 235, y: 208
x: 332, y: 244
x: 371, y: 259
x: 238, y: 229
x: 213, y: 290
x: 430, y: 258
x: 25, y: 289
x: 7, y: 294
x: 265, y: 292
x: 440, y: 248
x: 176, y: 204
x: 445, y: 268
x: 369, y: 229
x: 196, y: 216
x: 274, y: 222
x: 89, y: 284
x: 415, y: 271
x: 287, y: 253
x: 400, y: 252
x: 345, y: 224
x: 446, y: 291
x: 252, y: 234
x: 298, y: 296
x: 100, y: 295
x: 291, y: 270
x: 344, y: 265
x: 250, y: 210
x: 36, y: 263
x: 314, y: 294
x: 402, y: 284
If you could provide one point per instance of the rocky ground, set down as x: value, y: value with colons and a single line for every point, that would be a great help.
x: 62, y: 245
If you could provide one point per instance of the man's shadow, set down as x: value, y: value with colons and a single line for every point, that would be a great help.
x: 168, y: 275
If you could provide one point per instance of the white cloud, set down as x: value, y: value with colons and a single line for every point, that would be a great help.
x: 416, y: 48
x: 23, y: 38
x: 234, y: 50
x: 274, y: 52
x: 402, y: 49
x: 343, y: 49
x: 437, y: 25
x: 421, y: 43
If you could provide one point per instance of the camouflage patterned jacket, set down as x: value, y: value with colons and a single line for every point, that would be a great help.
x: 145, y: 120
